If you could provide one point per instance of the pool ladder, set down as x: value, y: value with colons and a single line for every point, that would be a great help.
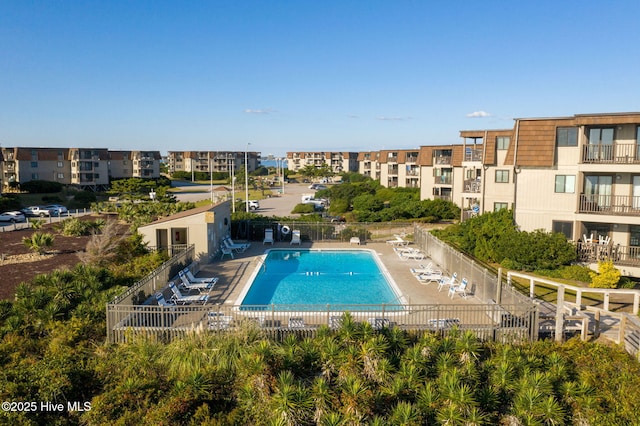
x: 263, y: 263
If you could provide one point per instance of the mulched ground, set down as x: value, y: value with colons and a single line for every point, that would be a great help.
x: 63, y: 254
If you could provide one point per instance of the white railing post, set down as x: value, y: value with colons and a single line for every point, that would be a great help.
x: 560, y: 314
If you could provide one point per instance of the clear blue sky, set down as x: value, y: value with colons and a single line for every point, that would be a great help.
x: 305, y: 75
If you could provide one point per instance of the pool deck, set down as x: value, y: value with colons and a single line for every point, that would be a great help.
x: 234, y: 273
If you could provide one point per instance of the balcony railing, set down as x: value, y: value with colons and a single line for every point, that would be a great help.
x: 473, y: 155
x: 442, y: 159
x: 443, y: 180
x: 617, y: 153
x: 618, y: 254
x: 472, y: 185
x: 413, y: 172
x: 610, y: 204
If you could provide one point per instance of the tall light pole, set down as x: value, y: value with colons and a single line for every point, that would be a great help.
x: 282, y: 169
x: 210, y: 180
x: 233, y: 183
x: 246, y: 178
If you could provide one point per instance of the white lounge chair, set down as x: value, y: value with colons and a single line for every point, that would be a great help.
x: 397, y: 241
x: 461, y: 289
x: 429, y: 278
x: 447, y: 281
x: 187, y: 285
x: 379, y: 323
x: 354, y: 240
x: 164, y: 302
x: 295, y: 237
x: 268, y: 236
x: 225, y: 251
x: 193, y: 279
x: 428, y: 269
x: 237, y: 247
x: 413, y: 255
x: 219, y: 321
x: 182, y: 299
x: 296, y: 322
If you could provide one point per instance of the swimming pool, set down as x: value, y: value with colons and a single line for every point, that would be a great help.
x: 320, y: 277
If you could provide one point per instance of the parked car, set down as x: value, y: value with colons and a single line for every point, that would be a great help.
x: 57, y: 209
x: 12, y: 216
x: 36, y: 211
x: 254, y: 205
x: 317, y: 186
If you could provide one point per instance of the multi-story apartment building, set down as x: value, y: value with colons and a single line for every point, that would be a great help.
x: 90, y: 168
x: 20, y: 165
x: 368, y: 164
x: 128, y: 164
x: 214, y: 161
x: 86, y: 168
x: 399, y: 168
x: 338, y: 162
x: 579, y: 175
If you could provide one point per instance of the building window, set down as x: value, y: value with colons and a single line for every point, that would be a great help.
x: 59, y: 163
x: 502, y: 142
x: 567, y: 136
x: 34, y: 176
x: 565, y: 184
x: 562, y: 227
x: 502, y: 176
x: 500, y: 206
x: 60, y: 175
x: 34, y: 164
x: 634, y: 235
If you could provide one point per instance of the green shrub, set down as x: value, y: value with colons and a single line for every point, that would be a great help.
x: 608, y: 276
x: 41, y: 187
x: 304, y: 208
x: 85, y: 197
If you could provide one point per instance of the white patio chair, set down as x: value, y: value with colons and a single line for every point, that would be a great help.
x: 238, y: 248
x: 397, y: 241
x: 295, y: 237
x: 268, y: 236
x: 429, y: 278
x: 164, y: 302
x: 447, y: 281
x: 460, y: 289
x: 226, y: 252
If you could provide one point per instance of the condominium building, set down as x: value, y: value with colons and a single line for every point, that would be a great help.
x: 337, y: 162
x: 86, y: 168
x: 20, y: 165
x: 368, y: 164
x: 214, y: 161
x: 130, y: 164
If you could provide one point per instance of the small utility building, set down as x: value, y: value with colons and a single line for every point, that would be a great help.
x: 203, y: 227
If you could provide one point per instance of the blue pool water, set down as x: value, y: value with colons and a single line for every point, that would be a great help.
x: 320, y: 277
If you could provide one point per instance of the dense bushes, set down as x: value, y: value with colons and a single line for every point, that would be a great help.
x: 200, y: 176
x: 493, y: 237
x: 368, y: 201
x: 41, y: 187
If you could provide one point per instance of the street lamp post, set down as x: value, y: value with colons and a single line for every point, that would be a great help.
x: 210, y: 181
x: 246, y: 178
x: 233, y: 183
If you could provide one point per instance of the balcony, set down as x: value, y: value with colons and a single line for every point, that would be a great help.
x: 473, y: 154
x: 622, y: 205
x: 442, y: 160
x: 620, y: 255
x: 413, y: 172
x: 393, y: 171
x: 618, y: 153
x: 411, y: 159
x: 443, y: 180
x: 472, y: 185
